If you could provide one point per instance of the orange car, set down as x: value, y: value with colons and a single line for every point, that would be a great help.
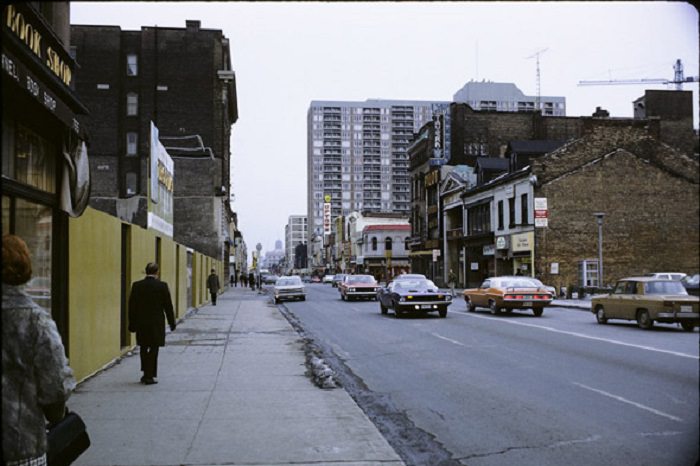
x: 499, y: 293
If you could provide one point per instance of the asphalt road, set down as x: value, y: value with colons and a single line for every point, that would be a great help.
x: 478, y: 389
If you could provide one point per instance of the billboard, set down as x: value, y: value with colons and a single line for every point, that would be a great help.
x: 160, y: 187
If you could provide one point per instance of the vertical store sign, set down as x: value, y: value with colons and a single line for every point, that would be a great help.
x: 438, y: 139
x: 541, y: 212
x: 162, y: 175
x: 327, y: 215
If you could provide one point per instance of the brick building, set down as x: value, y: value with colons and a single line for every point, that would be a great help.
x: 647, y: 190
x: 181, y: 80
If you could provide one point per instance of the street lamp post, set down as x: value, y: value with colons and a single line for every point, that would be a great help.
x: 599, y: 218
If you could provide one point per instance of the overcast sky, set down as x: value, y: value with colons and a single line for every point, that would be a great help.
x: 287, y: 54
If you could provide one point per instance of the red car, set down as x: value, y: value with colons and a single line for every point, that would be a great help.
x: 358, y: 287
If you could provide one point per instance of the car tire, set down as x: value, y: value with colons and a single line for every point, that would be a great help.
x: 470, y: 305
x: 398, y: 314
x: 495, y: 310
x: 303, y: 298
x: 537, y: 311
x: 277, y: 301
x: 688, y: 326
x: 383, y: 308
x: 644, y: 320
x: 600, y: 315
x: 442, y: 312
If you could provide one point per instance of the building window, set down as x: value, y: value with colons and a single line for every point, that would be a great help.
x: 387, y: 244
x: 132, y: 104
x: 524, y: 214
x: 132, y: 65
x: 34, y: 161
x: 374, y: 243
x: 132, y: 141
x: 500, y: 215
x: 511, y: 212
x: 131, y: 184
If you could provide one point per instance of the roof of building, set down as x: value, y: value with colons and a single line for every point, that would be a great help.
x: 538, y: 146
x: 493, y: 163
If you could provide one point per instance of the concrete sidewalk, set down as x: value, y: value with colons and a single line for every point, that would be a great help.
x: 232, y: 390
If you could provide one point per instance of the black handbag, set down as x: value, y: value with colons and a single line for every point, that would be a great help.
x: 67, y: 439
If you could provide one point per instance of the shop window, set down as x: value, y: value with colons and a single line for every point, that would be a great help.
x: 132, y: 141
x: 34, y: 161
x: 131, y: 184
x: 132, y: 104
x: 34, y: 224
x: 132, y: 65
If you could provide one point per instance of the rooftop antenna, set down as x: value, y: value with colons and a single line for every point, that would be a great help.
x: 536, y: 55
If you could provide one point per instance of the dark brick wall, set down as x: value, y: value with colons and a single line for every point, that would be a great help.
x: 186, y: 61
x: 648, y: 191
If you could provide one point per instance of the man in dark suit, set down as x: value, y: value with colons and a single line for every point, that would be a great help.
x: 148, y: 302
x: 213, y: 285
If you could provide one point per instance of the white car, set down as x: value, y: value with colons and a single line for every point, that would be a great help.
x: 288, y: 288
x: 327, y: 279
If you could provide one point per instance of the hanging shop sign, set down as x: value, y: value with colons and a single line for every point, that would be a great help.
x: 162, y: 175
x: 326, y: 218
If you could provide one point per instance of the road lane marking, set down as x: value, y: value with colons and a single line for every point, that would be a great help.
x: 633, y: 403
x: 583, y: 335
x: 447, y: 339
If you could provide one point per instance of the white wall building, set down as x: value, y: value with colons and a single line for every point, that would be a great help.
x: 506, y: 97
x: 295, y: 233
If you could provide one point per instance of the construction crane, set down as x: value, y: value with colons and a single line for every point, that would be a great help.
x: 678, y: 79
x: 536, y: 55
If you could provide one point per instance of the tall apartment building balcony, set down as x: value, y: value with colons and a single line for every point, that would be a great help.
x: 329, y: 187
x: 331, y: 118
x: 399, y: 124
x: 331, y: 135
x: 332, y: 125
x: 331, y: 151
x: 367, y: 143
x: 331, y: 109
x: 331, y: 177
x: 376, y: 135
x: 371, y: 111
x: 371, y: 118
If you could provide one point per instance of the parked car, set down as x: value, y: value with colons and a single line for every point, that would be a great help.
x: 269, y: 279
x: 409, y: 276
x: 358, y: 287
x: 315, y: 279
x: 666, y: 275
x: 648, y: 300
x: 509, y: 293
x: 288, y: 288
x: 417, y: 294
x: 692, y: 284
x: 328, y: 278
x: 337, y: 278
x: 551, y: 289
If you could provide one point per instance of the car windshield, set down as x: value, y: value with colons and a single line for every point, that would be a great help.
x: 361, y: 279
x: 413, y: 284
x: 519, y: 283
x: 338, y: 277
x: 664, y: 287
x: 287, y: 281
x: 409, y: 276
x: 693, y: 280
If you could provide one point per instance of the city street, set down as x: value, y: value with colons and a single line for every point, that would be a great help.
x: 516, y: 389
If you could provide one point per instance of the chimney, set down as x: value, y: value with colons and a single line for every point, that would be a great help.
x: 192, y: 25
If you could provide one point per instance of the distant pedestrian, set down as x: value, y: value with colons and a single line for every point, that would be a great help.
x: 452, y: 279
x: 233, y: 279
x: 36, y: 378
x: 251, y: 280
x: 149, y: 305
x: 244, y: 279
x: 213, y: 286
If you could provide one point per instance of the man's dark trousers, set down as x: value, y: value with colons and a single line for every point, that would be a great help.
x: 213, y: 298
x: 149, y: 361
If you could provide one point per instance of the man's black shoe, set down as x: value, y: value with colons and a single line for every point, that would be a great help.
x: 149, y: 381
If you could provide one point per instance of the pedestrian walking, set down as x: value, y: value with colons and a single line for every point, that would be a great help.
x: 452, y: 279
x: 251, y: 280
x: 36, y: 378
x: 234, y: 279
x: 149, y: 305
x: 213, y: 286
x: 244, y: 279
